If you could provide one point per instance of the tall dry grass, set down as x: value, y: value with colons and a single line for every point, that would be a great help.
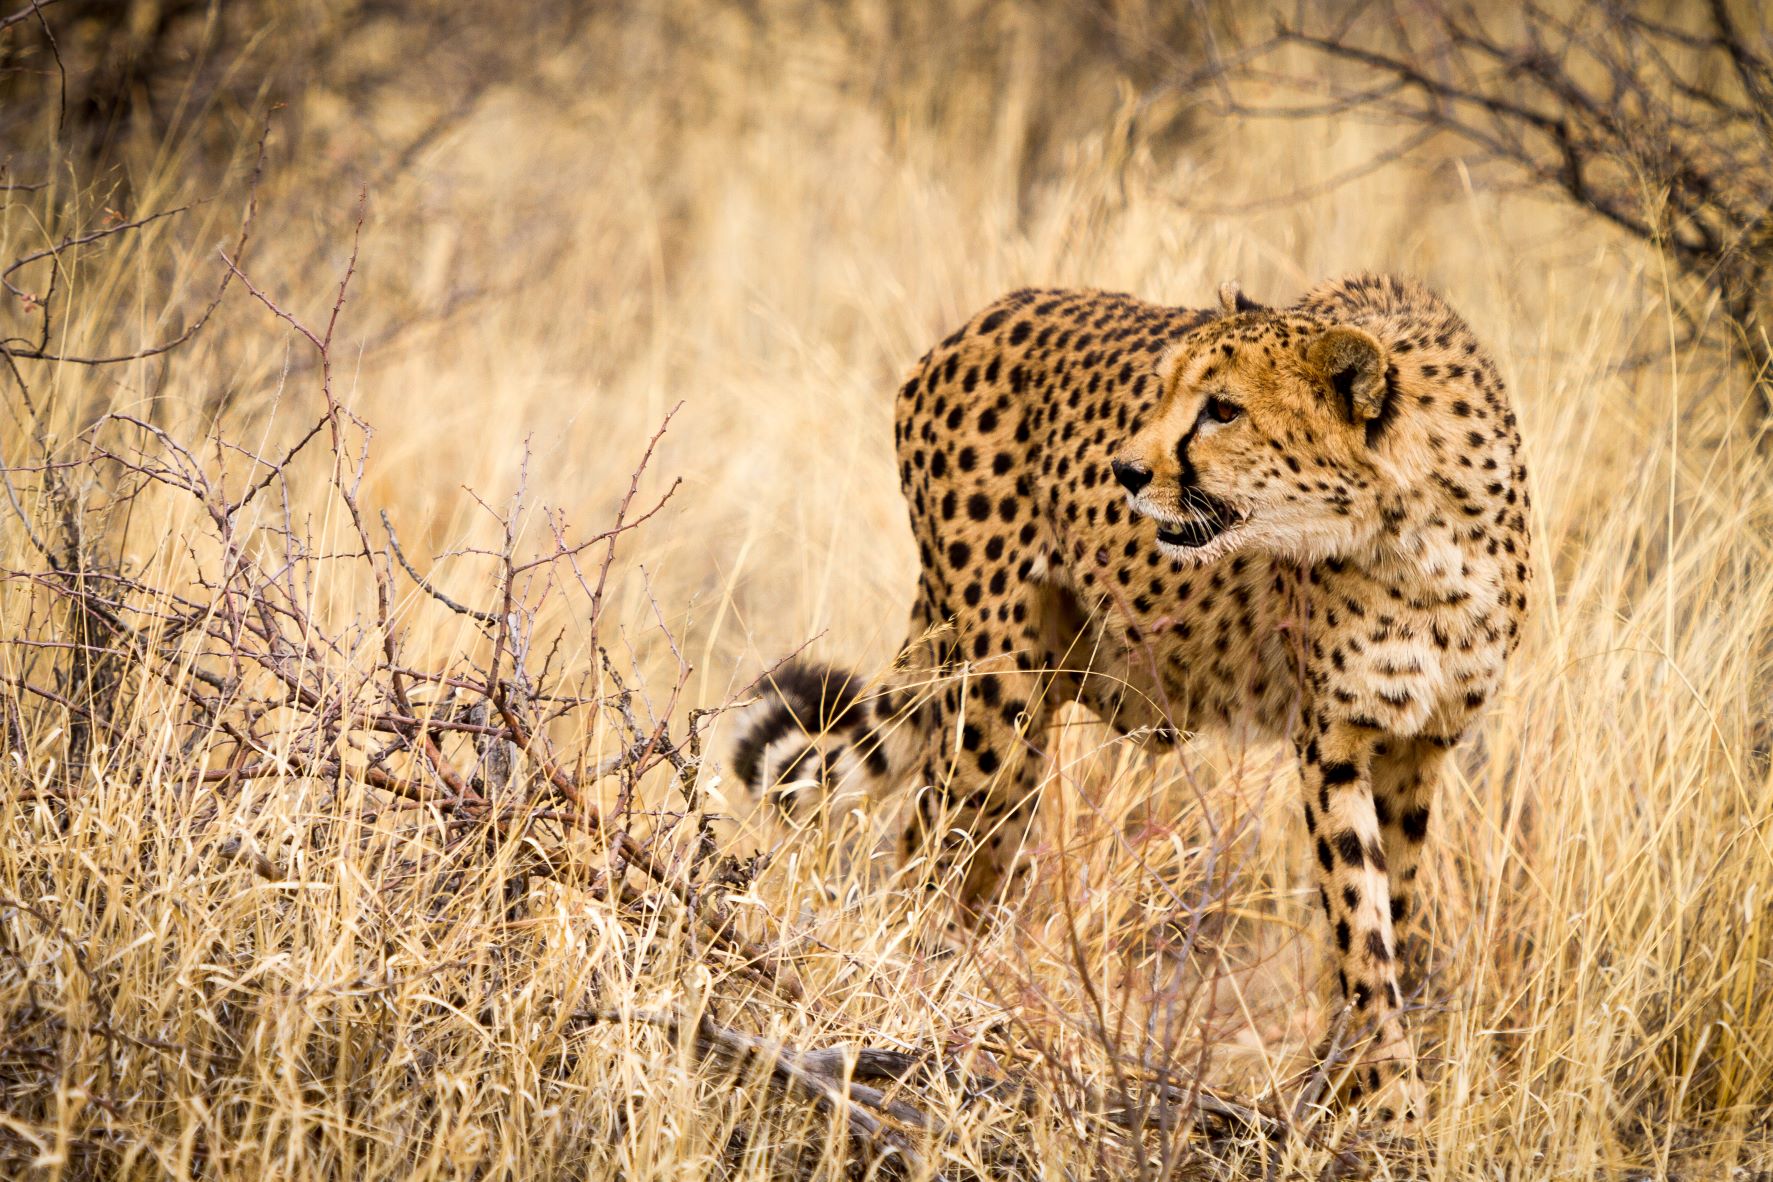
x: 766, y: 215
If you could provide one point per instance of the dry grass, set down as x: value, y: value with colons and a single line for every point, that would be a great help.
x: 768, y: 218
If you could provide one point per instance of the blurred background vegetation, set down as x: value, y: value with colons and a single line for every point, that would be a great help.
x: 577, y: 217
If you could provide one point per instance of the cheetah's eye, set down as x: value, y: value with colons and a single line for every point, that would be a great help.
x: 1223, y: 411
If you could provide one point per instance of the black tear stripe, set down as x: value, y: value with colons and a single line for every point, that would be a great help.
x: 1185, y: 476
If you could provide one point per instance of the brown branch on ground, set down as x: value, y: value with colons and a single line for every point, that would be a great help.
x: 884, y: 1121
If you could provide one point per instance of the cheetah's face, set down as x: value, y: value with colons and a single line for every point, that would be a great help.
x: 1259, y: 440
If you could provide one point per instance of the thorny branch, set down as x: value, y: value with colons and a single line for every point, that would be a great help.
x: 1659, y: 122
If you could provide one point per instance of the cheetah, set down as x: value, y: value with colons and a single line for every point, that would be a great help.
x: 1307, y: 523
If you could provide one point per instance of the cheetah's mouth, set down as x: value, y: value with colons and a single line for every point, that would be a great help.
x: 1209, y: 518
x: 1193, y: 535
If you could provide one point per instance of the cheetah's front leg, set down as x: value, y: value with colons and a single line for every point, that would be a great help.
x: 1405, y: 774
x: 1337, y: 761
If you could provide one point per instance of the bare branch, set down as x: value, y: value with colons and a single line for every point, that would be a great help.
x: 34, y: 10
x: 1586, y: 104
x: 425, y: 586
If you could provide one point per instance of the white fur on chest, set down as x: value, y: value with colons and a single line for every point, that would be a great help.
x: 1411, y: 654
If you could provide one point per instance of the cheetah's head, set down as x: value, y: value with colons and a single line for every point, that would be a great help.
x: 1260, y: 439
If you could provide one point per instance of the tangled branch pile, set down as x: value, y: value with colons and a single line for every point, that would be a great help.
x: 1655, y: 119
x: 229, y: 665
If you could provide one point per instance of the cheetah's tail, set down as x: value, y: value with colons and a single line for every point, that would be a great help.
x: 817, y: 729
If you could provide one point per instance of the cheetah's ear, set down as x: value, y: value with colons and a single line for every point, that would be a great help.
x: 1166, y: 367
x: 1353, y: 362
x: 1232, y: 300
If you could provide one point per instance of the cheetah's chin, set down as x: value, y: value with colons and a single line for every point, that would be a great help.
x: 1219, y: 546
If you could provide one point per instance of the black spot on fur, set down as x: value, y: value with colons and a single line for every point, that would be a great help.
x: 1415, y: 823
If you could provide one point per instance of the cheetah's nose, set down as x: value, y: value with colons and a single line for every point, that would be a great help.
x: 1132, y: 477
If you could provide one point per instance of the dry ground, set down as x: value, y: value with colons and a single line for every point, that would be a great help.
x: 768, y: 217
